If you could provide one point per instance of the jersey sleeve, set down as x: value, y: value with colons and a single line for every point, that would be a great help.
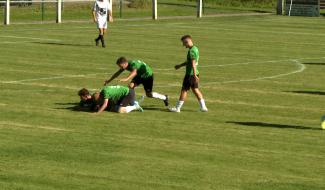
x: 194, y: 54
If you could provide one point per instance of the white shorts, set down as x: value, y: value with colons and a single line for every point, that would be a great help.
x: 102, y: 23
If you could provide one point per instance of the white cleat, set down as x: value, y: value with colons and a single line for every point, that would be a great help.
x: 204, y: 109
x: 174, y: 110
x: 139, y: 108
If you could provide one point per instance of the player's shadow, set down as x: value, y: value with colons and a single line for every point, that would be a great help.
x: 63, y: 44
x: 319, y: 93
x: 72, y: 106
x: 313, y: 63
x: 152, y: 108
x: 272, y: 125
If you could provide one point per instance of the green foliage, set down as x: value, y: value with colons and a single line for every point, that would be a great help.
x: 140, y: 4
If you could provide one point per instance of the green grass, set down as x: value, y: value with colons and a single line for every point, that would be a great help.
x: 262, y: 134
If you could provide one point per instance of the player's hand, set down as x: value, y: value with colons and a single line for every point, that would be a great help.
x: 106, y: 82
x: 177, y: 67
x: 196, y: 78
x: 123, y: 80
x: 110, y: 19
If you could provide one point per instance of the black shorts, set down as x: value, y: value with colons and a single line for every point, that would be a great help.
x: 190, y: 82
x: 146, y: 82
x: 128, y: 99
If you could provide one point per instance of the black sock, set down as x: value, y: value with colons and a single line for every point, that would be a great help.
x: 102, y: 39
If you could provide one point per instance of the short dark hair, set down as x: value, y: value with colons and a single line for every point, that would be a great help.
x: 121, y: 60
x: 83, y: 92
x: 186, y: 37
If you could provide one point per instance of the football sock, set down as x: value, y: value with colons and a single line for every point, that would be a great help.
x: 98, y: 38
x: 128, y: 109
x: 179, y: 104
x: 102, y: 40
x: 158, y: 96
x: 202, y: 103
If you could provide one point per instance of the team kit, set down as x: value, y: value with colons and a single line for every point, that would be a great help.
x: 121, y: 99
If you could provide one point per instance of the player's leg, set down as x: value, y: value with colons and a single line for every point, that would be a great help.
x: 199, y: 96
x: 148, y: 85
x: 185, y: 88
x: 128, y: 103
x: 195, y: 88
x: 98, y: 38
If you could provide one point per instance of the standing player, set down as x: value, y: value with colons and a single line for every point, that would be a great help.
x: 140, y: 73
x: 102, y: 12
x: 191, y: 79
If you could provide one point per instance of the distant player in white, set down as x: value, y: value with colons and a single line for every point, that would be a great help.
x: 102, y: 12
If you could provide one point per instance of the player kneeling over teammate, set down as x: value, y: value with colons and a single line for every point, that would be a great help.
x: 102, y: 12
x: 191, y: 79
x: 109, y: 96
x: 121, y: 96
x: 140, y: 73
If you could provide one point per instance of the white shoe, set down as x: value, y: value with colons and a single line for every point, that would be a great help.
x: 204, y: 109
x: 139, y: 108
x: 174, y: 110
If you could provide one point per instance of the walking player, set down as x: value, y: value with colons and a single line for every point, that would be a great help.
x: 191, y: 79
x: 140, y: 73
x: 102, y: 12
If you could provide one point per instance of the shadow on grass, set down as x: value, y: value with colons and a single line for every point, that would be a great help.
x: 72, y: 106
x: 63, y: 44
x: 319, y: 93
x: 271, y: 125
x: 311, y: 63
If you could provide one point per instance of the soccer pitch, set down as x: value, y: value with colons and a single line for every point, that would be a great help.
x: 263, y: 82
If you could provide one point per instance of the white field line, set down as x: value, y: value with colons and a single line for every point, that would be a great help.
x: 15, y: 124
x: 29, y: 38
x: 301, y: 68
x: 51, y: 78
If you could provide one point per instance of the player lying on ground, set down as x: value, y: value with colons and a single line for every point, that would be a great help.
x: 87, y: 103
x: 140, y: 73
x: 191, y: 79
x: 121, y: 96
x: 102, y: 12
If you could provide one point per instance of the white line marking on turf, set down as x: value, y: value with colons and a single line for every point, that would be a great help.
x: 301, y: 68
x: 29, y: 38
x: 15, y: 124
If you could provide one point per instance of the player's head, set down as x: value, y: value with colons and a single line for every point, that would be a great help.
x: 122, y: 62
x: 187, y: 41
x: 84, y: 94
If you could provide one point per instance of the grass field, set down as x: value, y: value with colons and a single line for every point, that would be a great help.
x: 263, y: 81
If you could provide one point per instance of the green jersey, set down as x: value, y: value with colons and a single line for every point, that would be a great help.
x: 193, y: 54
x: 143, y: 70
x: 114, y: 93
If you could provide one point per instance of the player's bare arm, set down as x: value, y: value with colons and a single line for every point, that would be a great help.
x: 132, y: 74
x: 103, y: 107
x: 194, y: 70
x: 110, y: 16
x: 94, y: 16
x: 180, y: 65
x: 115, y: 75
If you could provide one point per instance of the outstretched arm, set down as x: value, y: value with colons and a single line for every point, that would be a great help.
x: 115, y: 75
x: 103, y: 107
x: 180, y: 65
x: 131, y: 76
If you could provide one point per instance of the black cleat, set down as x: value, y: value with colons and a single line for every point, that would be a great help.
x: 166, y: 101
